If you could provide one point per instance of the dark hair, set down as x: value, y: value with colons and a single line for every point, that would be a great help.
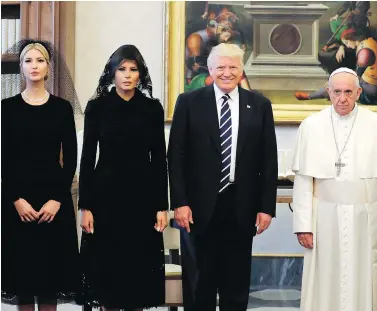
x: 125, y: 52
x: 354, y: 34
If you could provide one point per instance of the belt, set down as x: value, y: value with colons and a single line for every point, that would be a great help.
x: 341, y: 192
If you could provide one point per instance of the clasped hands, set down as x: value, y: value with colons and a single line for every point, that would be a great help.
x: 28, y: 214
x: 183, y: 217
x: 87, y: 221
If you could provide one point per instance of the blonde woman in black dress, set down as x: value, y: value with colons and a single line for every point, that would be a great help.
x: 39, y: 239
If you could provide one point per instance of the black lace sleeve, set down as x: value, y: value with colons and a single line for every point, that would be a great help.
x: 88, y: 157
x: 68, y: 140
x: 158, y: 158
x: 9, y: 184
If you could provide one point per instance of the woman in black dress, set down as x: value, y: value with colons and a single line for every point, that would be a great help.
x: 39, y: 248
x: 123, y: 197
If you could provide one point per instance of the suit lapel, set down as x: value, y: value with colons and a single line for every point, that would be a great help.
x: 245, y: 116
x: 212, y: 117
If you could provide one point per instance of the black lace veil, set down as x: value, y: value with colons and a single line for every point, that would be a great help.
x: 59, y: 82
x: 129, y: 52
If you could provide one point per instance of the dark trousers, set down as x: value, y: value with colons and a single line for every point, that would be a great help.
x: 217, y: 261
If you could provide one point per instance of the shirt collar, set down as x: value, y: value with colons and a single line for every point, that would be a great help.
x: 219, y: 93
x: 115, y: 95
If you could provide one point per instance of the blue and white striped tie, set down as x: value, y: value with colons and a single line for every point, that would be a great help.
x: 226, y: 142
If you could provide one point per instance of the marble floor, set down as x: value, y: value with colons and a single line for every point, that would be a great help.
x: 263, y: 300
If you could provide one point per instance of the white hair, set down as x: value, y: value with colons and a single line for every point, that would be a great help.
x: 346, y: 70
x: 225, y: 49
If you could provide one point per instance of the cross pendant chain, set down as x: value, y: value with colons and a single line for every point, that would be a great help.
x: 339, y: 166
x: 339, y: 163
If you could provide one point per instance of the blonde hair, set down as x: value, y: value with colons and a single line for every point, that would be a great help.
x: 39, y: 47
x: 225, y: 49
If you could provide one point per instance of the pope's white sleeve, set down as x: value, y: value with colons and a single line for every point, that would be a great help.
x: 302, y: 203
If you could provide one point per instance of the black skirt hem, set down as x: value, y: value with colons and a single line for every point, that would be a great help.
x: 98, y: 304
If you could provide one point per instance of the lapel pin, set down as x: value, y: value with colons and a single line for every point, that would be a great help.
x: 248, y: 106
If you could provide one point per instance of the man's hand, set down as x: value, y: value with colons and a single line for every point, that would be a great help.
x: 26, y: 212
x: 48, y: 211
x: 87, y: 221
x: 263, y: 222
x: 305, y: 239
x: 183, y: 216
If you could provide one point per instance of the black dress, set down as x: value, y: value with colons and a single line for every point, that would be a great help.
x: 38, y: 259
x: 123, y: 260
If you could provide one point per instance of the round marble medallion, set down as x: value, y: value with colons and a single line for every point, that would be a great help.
x: 285, y: 39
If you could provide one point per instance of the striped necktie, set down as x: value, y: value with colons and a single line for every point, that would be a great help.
x: 226, y: 142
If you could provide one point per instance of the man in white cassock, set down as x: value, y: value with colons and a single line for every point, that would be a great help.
x: 335, y: 201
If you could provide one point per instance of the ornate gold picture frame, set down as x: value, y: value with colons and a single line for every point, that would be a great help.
x: 289, y: 48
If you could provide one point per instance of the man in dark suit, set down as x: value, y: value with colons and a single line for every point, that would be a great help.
x: 223, y: 177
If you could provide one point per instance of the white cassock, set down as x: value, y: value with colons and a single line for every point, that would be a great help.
x: 340, y: 272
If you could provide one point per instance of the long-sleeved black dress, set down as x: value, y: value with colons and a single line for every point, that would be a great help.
x: 38, y: 259
x: 124, y: 259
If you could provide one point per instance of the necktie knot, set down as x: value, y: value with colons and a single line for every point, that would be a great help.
x: 225, y: 97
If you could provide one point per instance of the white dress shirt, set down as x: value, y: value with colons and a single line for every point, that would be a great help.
x: 234, y: 107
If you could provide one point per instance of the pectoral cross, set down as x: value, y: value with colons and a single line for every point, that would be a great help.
x: 339, y: 166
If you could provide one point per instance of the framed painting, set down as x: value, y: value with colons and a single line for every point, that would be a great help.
x: 290, y: 49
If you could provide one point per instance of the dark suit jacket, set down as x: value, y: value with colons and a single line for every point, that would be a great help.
x: 194, y: 157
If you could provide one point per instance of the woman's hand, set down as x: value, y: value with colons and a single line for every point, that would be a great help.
x: 87, y: 221
x: 48, y: 211
x: 26, y: 211
x: 162, y: 221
